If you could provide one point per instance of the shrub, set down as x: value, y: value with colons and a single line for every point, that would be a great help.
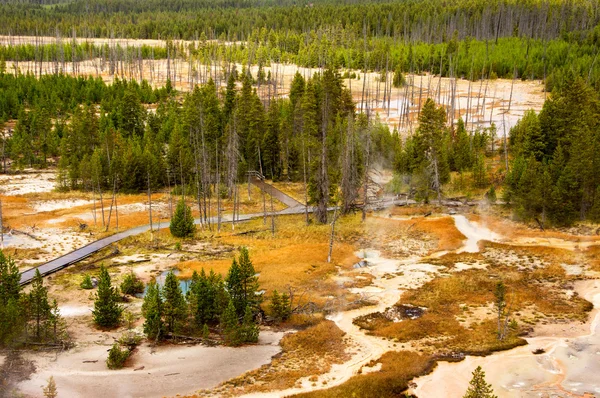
x: 491, y: 195
x: 130, y: 339
x: 117, y: 357
x: 280, y: 306
x: 86, y: 283
x: 132, y: 284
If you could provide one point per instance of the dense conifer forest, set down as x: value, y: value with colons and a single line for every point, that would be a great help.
x: 129, y: 136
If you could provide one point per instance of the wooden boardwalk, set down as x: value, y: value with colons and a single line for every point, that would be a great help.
x: 294, y: 207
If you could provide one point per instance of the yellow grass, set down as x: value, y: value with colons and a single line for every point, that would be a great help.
x: 593, y: 255
x: 285, y: 260
x: 446, y: 299
x: 310, y: 352
x: 397, y: 369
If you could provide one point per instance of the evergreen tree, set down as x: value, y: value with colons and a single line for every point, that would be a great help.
x: 174, y: 306
x: 280, y: 306
x: 130, y: 114
x: 38, y: 305
x: 398, y: 80
x: 270, y: 143
x: 182, y: 224
x: 248, y: 284
x: 249, y: 329
x: 203, y: 297
x: 479, y: 171
x: 230, y: 94
x: 50, y: 391
x: 431, y: 152
x: 461, y: 150
x: 86, y: 283
x: 478, y: 387
x: 297, y: 89
x: 11, y: 314
x: 107, y: 311
x: 9, y: 279
x: 230, y: 325
x: 152, y: 309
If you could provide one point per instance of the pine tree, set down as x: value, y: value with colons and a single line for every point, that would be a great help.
x: 280, y: 306
x: 478, y: 388
x: 270, y: 152
x: 479, y: 171
x: 152, y: 309
x: 233, y: 282
x: 38, y: 305
x: 174, y: 306
x: 249, y: 329
x: 297, y: 89
x: 461, y: 150
x: 107, y: 312
x: 230, y: 93
x: 500, y: 303
x: 9, y: 279
x: 130, y: 114
x: 398, y: 80
x: 182, y: 224
x: 50, y: 391
x: 230, y: 325
x: 203, y: 297
x: 431, y: 152
x: 12, y: 315
x: 242, y: 284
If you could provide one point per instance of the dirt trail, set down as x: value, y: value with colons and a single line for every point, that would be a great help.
x: 385, y: 291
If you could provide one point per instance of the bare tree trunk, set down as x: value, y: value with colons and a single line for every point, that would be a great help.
x: 367, y: 160
x: 111, y: 205
x: 1, y: 227
x: 116, y: 204
x: 101, y: 202
x: 331, y: 236
x: 94, y: 200
x: 305, y: 187
x: 272, y: 216
x: 218, y: 191
x: 150, y: 208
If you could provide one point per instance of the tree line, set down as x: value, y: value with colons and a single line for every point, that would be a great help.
x: 555, y: 173
x: 416, y: 20
x: 454, y: 56
x: 549, y: 169
x: 229, y: 306
x: 203, y: 142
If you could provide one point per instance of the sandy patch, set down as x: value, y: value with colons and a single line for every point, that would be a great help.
x: 52, y: 205
x: 163, y: 371
x: 568, y: 366
x: 21, y: 184
x: 69, y: 311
